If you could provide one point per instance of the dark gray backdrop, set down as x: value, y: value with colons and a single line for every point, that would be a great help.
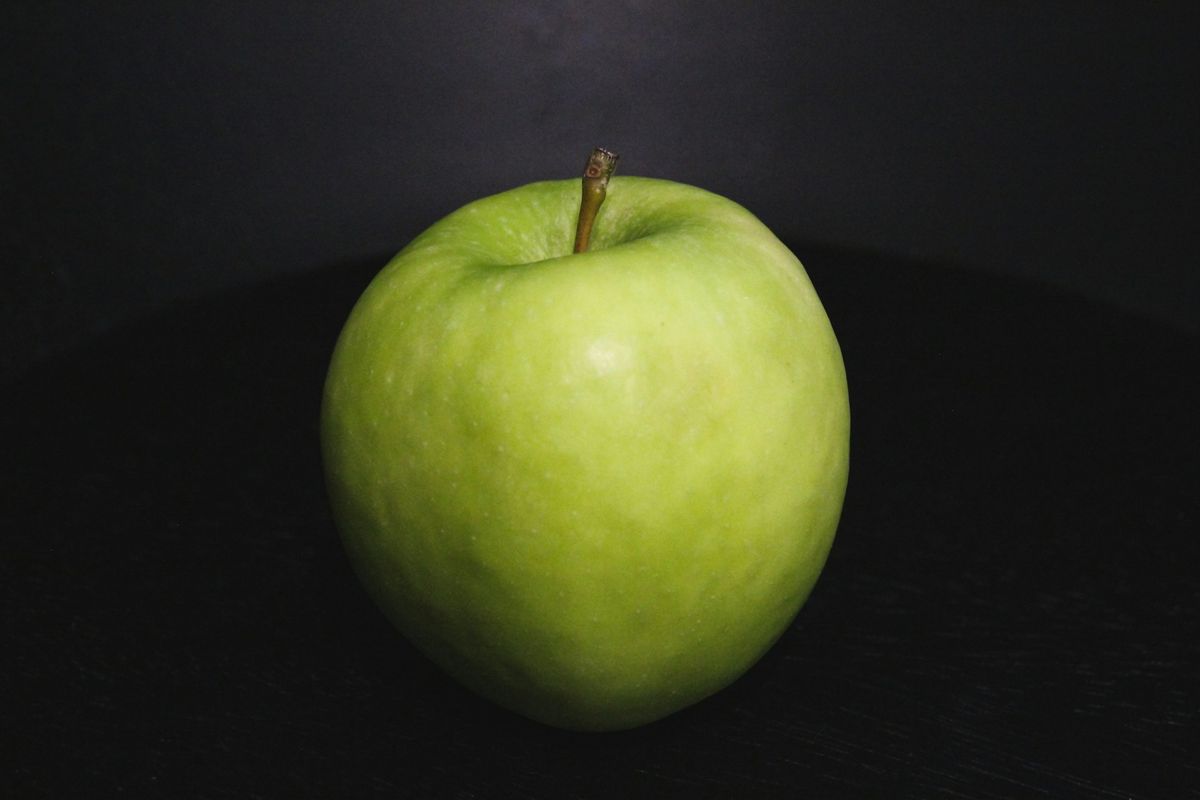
x: 156, y: 151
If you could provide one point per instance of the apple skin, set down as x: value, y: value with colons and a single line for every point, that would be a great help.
x: 593, y: 487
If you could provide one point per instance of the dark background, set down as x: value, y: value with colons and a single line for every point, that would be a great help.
x: 995, y: 201
x: 153, y: 151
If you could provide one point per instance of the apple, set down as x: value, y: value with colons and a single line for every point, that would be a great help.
x: 596, y: 486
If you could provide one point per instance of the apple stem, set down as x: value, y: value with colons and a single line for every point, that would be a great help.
x: 596, y: 172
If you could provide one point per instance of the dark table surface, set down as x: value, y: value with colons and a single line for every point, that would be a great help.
x: 1010, y: 609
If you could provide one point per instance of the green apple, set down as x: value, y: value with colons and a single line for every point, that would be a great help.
x: 594, y: 487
